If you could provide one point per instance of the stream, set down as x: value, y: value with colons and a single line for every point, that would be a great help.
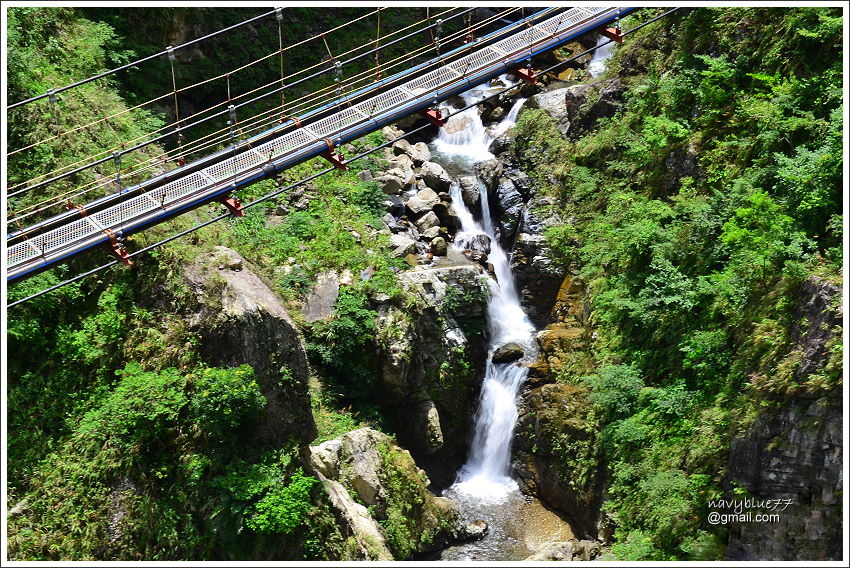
x: 518, y: 524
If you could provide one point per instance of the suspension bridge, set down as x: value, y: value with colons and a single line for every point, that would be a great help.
x: 370, y: 103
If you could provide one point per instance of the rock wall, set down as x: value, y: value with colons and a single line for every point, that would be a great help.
x: 794, y: 451
x: 239, y: 319
x: 431, y: 355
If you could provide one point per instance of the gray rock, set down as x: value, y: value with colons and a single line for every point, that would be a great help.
x: 479, y: 242
x: 509, y: 205
x: 427, y: 221
x: 435, y: 176
x: 239, y: 319
x: 447, y: 215
x: 402, y: 245
x: 439, y: 246
x: 322, y: 298
x: 420, y: 153
x: 489, y: 172
x: 392, y: 224
x: 430, y: 234
x: 360, y: 462
x: 471, y: 193
x: 370, y: 541
x: 390, y: 184
x: 365, y: 175
x: 507, y: 353
x: 423, y: 201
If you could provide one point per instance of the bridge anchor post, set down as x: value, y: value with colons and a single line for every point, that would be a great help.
x: 332, y: 155
x: 527, y: 75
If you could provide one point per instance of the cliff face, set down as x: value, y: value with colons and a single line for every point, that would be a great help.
x: 793, y: 451
x: 239, y: 319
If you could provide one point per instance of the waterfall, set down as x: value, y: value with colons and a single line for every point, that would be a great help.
x: 486, y: 475
x: 599, y: 60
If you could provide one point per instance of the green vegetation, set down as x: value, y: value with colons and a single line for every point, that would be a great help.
x: 700, y: 208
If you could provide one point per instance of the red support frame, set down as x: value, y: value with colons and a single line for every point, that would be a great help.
x: 433, y: 116
x: 234, y: 206
x: 612, y: 33
x: 527, y: 75
x: 117, y: 249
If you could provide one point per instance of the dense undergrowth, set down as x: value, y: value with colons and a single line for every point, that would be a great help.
x: 699, y: 209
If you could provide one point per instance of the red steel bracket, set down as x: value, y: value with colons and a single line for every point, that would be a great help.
x: 433, y: 116
x: 527, y: 75
x: 613, y: 33
x: 71, y: 205
x: 117, y: 249
x: 233, y: 205
x: 334, y: 157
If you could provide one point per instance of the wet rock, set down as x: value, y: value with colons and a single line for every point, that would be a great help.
x: 435, y: 176
x: 475, y: 530
x: 394, y: 204
x: 479, y: 242
x: 402, y: 245
x: 470, y: 191
x: 509, y: 205
x: 427, y: 221
x: 489, y: 172
x: 447, y: 215
x: 423, y: 201
x: 502, y: 143
x: 507, y: 353
x: 538, y: 276
x: 476, y: 256
x: 392, y: 224
x: 439, y: 247
x: 322, y: 298
x: 419, y: 360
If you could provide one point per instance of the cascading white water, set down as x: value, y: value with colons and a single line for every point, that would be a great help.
x: 464, y: 136
x: 599, y: 61
x: 486, y: 475
x: 484, y: 487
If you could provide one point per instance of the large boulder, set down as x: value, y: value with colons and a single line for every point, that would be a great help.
x: 435, y: 176
x: 423, y: 201
x: 321, y: 300
x: 239, y: 319
x: 470, y: 191
x: 402, y: 517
